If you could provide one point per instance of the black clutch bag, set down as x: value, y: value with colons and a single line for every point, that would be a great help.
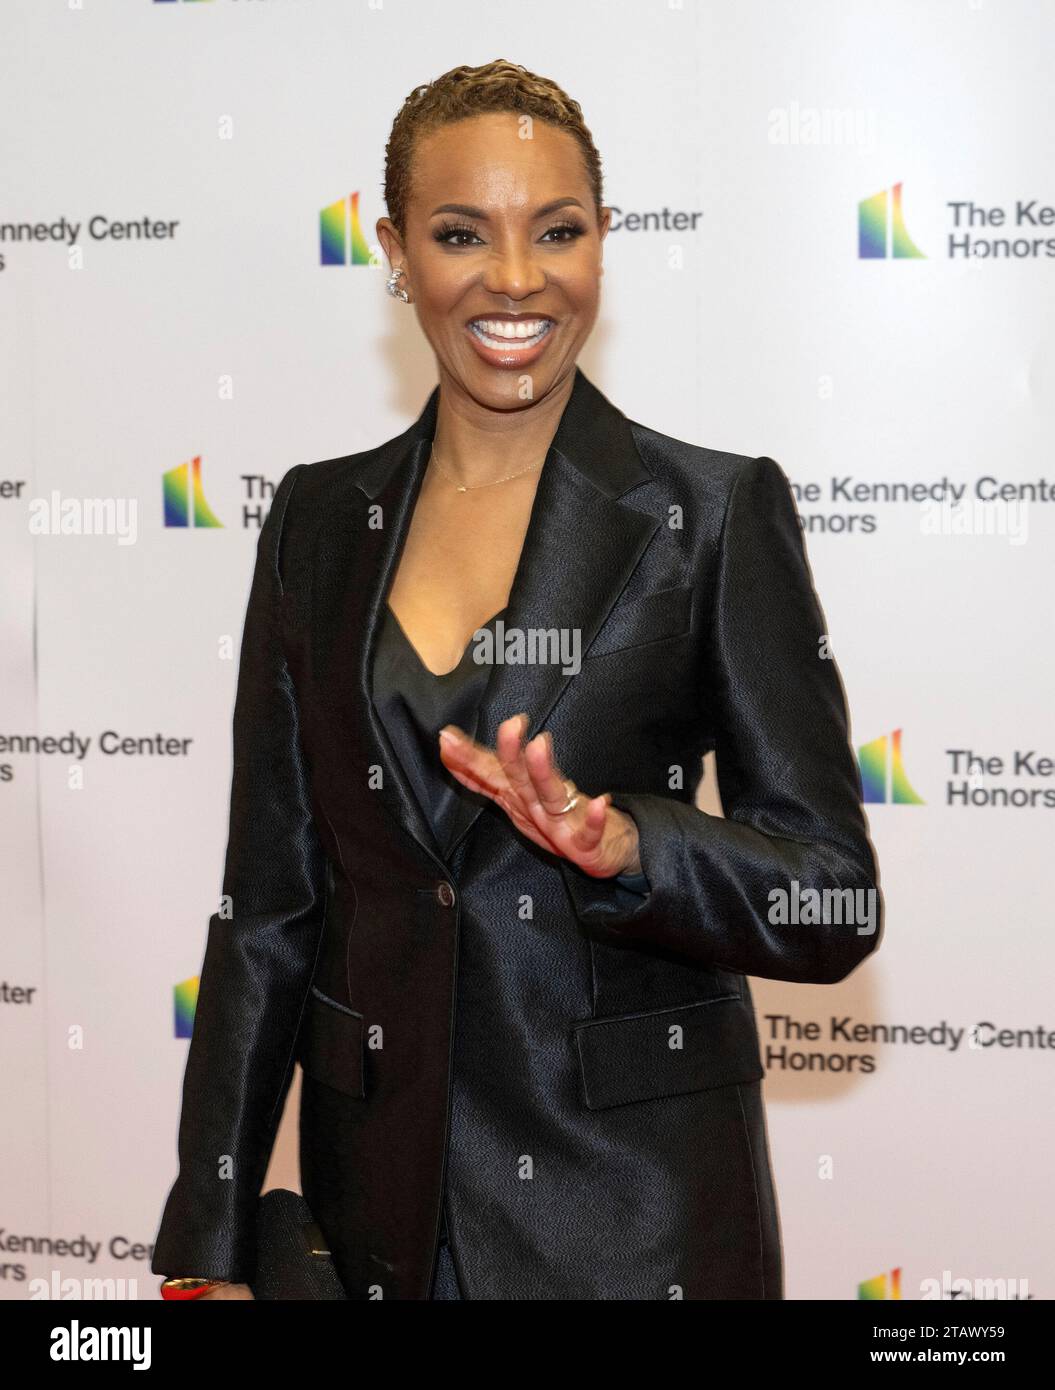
x: 293, y: 1261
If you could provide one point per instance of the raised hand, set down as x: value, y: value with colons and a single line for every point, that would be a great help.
x: 525, y: 782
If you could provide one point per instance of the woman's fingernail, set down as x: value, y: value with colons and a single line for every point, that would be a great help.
x: 449, y: 733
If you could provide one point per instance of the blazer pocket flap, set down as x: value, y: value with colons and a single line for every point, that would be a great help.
x: 331, y: 1045
x: 667, y: 1052
x: 664, y: 613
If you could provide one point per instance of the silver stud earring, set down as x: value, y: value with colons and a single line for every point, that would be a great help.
x: 390, y: 285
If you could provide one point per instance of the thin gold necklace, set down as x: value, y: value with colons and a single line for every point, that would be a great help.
x: 434, y: 457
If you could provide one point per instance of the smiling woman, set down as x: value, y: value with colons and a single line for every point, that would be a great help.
x: 531, y: 1067
x: 505, y: 281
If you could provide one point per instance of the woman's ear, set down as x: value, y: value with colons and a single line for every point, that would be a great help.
x: 391, y: 242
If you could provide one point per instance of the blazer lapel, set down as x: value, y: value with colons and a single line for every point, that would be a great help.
x: 581, y: 546
x: 355, y: 563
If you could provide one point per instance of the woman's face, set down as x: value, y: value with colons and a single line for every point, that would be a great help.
x: 503, y: 254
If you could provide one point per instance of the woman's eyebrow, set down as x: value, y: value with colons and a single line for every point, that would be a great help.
x: 467, y: 210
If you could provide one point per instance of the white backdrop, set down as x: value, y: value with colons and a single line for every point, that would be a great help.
x: 906, y: 1157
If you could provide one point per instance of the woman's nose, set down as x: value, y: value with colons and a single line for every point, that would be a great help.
x: 514, y: 270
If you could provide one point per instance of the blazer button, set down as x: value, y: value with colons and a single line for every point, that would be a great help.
x: 445, y: 893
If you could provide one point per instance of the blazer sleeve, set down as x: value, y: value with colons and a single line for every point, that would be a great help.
x: 788, y: 780
x: 259, y: 958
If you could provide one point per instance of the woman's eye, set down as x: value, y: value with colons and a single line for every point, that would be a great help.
x: 570, y: 231
x: 446, y: 232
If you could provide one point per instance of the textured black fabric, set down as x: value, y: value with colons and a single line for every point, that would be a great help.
x: 288, y: 1266
x: 445, y: 1286
x: 574, y: 1065
x: 414, y: 704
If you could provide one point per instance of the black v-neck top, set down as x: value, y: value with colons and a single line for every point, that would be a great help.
x: 414, y: 704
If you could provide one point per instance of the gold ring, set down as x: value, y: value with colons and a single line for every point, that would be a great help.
x: 573, y: 798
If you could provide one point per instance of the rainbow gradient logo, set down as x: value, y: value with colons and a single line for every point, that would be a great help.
x: 882, y: 1286
x: 184, y: 1003
x: 184, y: 497
x: 341, y: 240
x: 883, y: 776
x: 881, y: 229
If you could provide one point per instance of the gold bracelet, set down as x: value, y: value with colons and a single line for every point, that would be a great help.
x: 182, y: 1289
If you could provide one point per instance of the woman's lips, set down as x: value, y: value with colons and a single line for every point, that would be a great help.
x: 510, y: 342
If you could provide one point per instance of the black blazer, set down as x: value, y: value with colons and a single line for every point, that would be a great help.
x: 577, y: 1068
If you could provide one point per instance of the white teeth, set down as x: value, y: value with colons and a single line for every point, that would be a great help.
x: 499, y: 332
